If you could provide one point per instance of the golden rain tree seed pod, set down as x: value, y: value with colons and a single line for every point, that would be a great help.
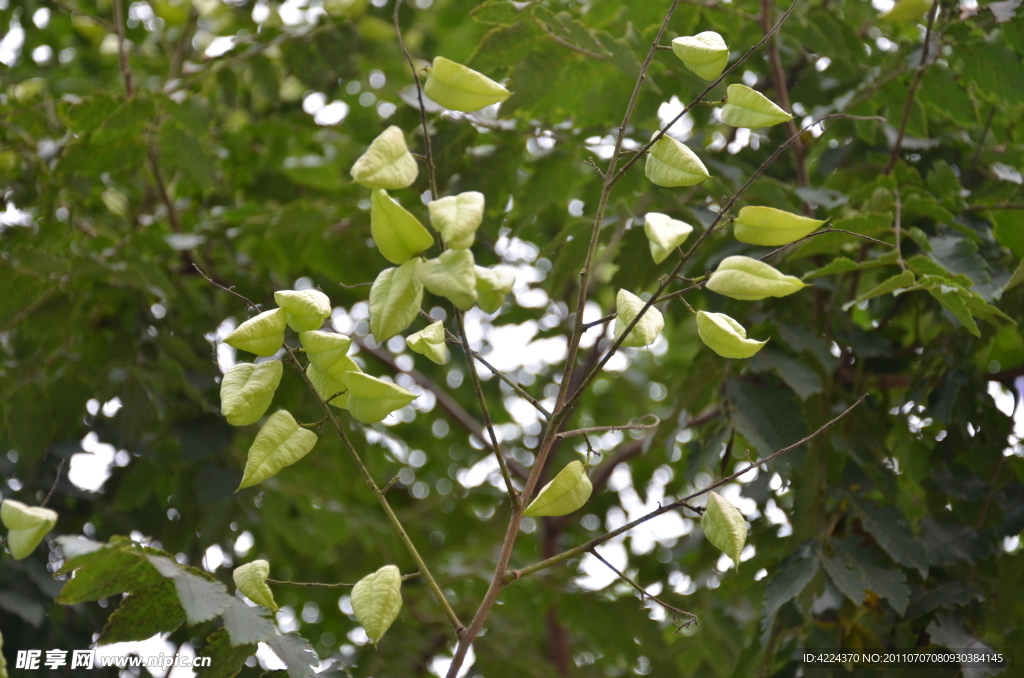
x: 429, y: 342
x: 725, y: 336
x: 395, y: 300
x: 398, y: 234
x: 305, y: 310
x: 452, y: 275
x: 671, y: 163
x: 459, y: 88
x: 724, y: 526
x: 906, y: 11
x: 772, y: 227
x: 281, y: 442
x: 262, y: 335
x: 326, y: 349
x: 567, y: 492
x: 665, y: 234
x: 387, y: 163
x: 748, y: 279
x: 749, y: 108
x: 371, y: 399
x: 26, y: 526
x: 627, y: 306
x: 376, y: 601
x: 492, y: 286
x: 251, y: 580
x: 706, y: 54
x: 457, y: 218
x: 328, y: 384
x: 247, y: 390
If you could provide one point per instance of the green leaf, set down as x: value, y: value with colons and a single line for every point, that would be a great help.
x: 845, y: 576
x: 566, y: 493
x: 804, y: 381
x: 26, y: 526
x: 3, y: 660
x: 706, y: 54
x: 387, y: 163
x: 1017, y: 278
x: 305, y: 310
x: 262, y: 335
x: 665, y: 234
x: 371, y: 399
x: 395, y: 300
x: 247, y: 390
x: 671, y: 163
x: 106, y: 572
x: 457, y: 218
x: 792, y: 577
x: 328, y: 386
x: 459, y: 88
x: 202, y: 600
x: 492, y: 286
x: 725, y: 336
x: 251, y: 580
x: 889, y: 583
x: 246, y: 625
x: 891, y: 285
x: 762, y: 413
x: 954, y: 300
x: 498, y: 12
x: 772, y: 227
x: 327, y: 351
x: 398, y: 234
x: 144, y: 613
x: 376, y: 601
x: 130, y: 119
x: 646, y: 331
x: 748, y: 108
x: 906, y: 11
x: 295, y: 653
x: 225, y: 660
x: 747, y: 279
x: 724, y: 526
x: 281, y: 442
x: 890, y: 530
x: 429, y: 342
x: 452, y: 275
x: 836, y: 266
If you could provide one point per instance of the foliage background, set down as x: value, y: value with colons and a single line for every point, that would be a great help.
x: 920, y: 488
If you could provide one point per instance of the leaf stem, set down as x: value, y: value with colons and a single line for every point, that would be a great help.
x: 319, y: 585
x: 429, y: 153
x: 621, y: 427
x: 644, y: 595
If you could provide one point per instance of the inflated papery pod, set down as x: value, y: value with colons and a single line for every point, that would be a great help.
x: 333, y: 389
x: 281, y: 442
x: 665, y: 234
x: 327, y: 351
x: 398, y: 234
x: 492, y: 286
x: 26, y: 526
x: 748, y: 279
x: 452, y: 275
x: 457, y: 217
x: 671, y: 163
x: 377, y: 600
x: 567, y: 492
x: 429, y: 342
x: 305, y: 310
x: 387, y: 163
x: 262, y: 335
x: 251, y: 580
x: 371, y: 399
x: 627, y: 306
x: 906, y: 11
x: 725, y: 336
x: 247, y: 390
x: 746, y: 107
x: 395, y: 300
x: 724, y: 526
x: 772, y: 227
x: 460, y: 88
x: 706, y: 54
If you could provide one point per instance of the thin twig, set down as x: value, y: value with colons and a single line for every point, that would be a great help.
x: 67, y: 6
x: 644, y: 595
x: 621, y: 427
x: 229, y: 290
x: 823, y: 232
x: 781, y: 90
x: 431, y: 170
x: 981, y: 139
x: 318, y: 585
x: 897, y: 228
x: 53, y: 488
x: 925, y: 46
x: 995, y: 206
x: 565, y: 43
x: 122, y: 54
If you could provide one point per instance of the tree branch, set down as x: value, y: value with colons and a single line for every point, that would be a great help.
x: 431, y: 170
x: 318, y: 585
x: 621, y: 427
x: 925, y: 46
x: 676, y: 612
x: 781, y: 90
x: 122, y: 55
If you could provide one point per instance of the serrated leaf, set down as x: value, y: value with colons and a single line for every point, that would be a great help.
x: 452, y: 275
x: 247, y: 390
x: 492, y: 286
x: 804, y: 381
x: 891, y: 531
x: 772, y: 227
x: 460, y: 88
x: 262, y: 335
x: 724, y: 526
x: 329, y: 386
x: 646, y: 331
x: 371, y: 399
x: 281, y: 442
x: 846, y: 577
x: 376, y: 601
x: 387, y: 163
x: 105, y: 573
x: 251, y: 580
x: 762, y: 413
x: 296, y: 653
x: 497, y: 12
x: 1017, y: 278
x: 246, y: 625
x: 747, y: 279
x: 749, y: 108
x: 398, y: 234
x: 954, y: 300
x: 665, y: 234
x: 792, y: 577
x: 725, y: 336
x: 671, y: 163
x: 327, y: 351
x: 202, y: 600
x: 26, y: 525
x: 457, y: 217
x: 906, y: 11
x: 305, y: 310
x: 897, y: 282
x: 706, y: 54
x: 887, y: 582
x: 144, y: 613
x: 395, y: 300
x: 225, y: 660
x: 429, y: 342
x: 566, y: 493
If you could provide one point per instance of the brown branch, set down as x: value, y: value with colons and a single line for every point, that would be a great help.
x: 925, y: 46
x: 67, y: 6
x: 53, y: 488
x: 620, y: 427
x: 431, y: 170
x: 122, y: 54
x: 676, y: 612
x: 781, y: 89
x: 183, y: 42
x: 823, y: 232
x: 318, y: 585
x: 229, y: 290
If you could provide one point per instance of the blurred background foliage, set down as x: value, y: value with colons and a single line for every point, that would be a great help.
x: 898, y: 528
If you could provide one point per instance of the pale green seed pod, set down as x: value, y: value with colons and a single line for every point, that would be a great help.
x: 457, y: 218
x: 627, y: 306
x: 459, y: 88
x: 671, y: 163
x: 371, y: 399
x: 326, y: 349
x: 429, y: 342
x: 725, y: 336
x: 724, y: 526
x: 748, y: 279
x: 247, y: 390
x: 771, y: 227
x: 492, y: 286
x: 665, y: 234
x: 377, y: 600
x: 395, y: 300
x: 452, y: 275
x: 387, y: 163
x: 906, y: 11
x: 706, y: 54
x: 567, y: 492
x: 328, y: 384
x: 398, y: 234
x: 26, y: 526
x: 251, y: 580
x: 749, y: 108
x: 305, y: 310
x: 281, y: 442
x: 262, y: 335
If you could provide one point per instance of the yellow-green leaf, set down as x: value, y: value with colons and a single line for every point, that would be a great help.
x: 627, y: 306
x: 251, y: 580
x: 749, y: 108
x: 954, y: 300
x: 326, y: 350
x: 725, y: 336
x: 329, y: 384
x: 398, y: 234
x: 906, y: 11
x: 492, y: 286
x: 262, y: 335
x: 26, y: 526
x: 376, y: 601
x: 305, y: 310
x: 888, y: 286
x: 387, y: 163
x: 567, y: 492
x: 671, y: 163
x: 429, y: 342
x: 665, y: 234
x: 457, y: 217
x: 748, y: 279
x: 452, y: 275
x: 371, y: 399
x: 706, y: 54
x: 772, y: 227
x: 281, y: 442
x: 724, y: 526
x: 460, y: 88
x: 395, y: 300
x: 246, y: 391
